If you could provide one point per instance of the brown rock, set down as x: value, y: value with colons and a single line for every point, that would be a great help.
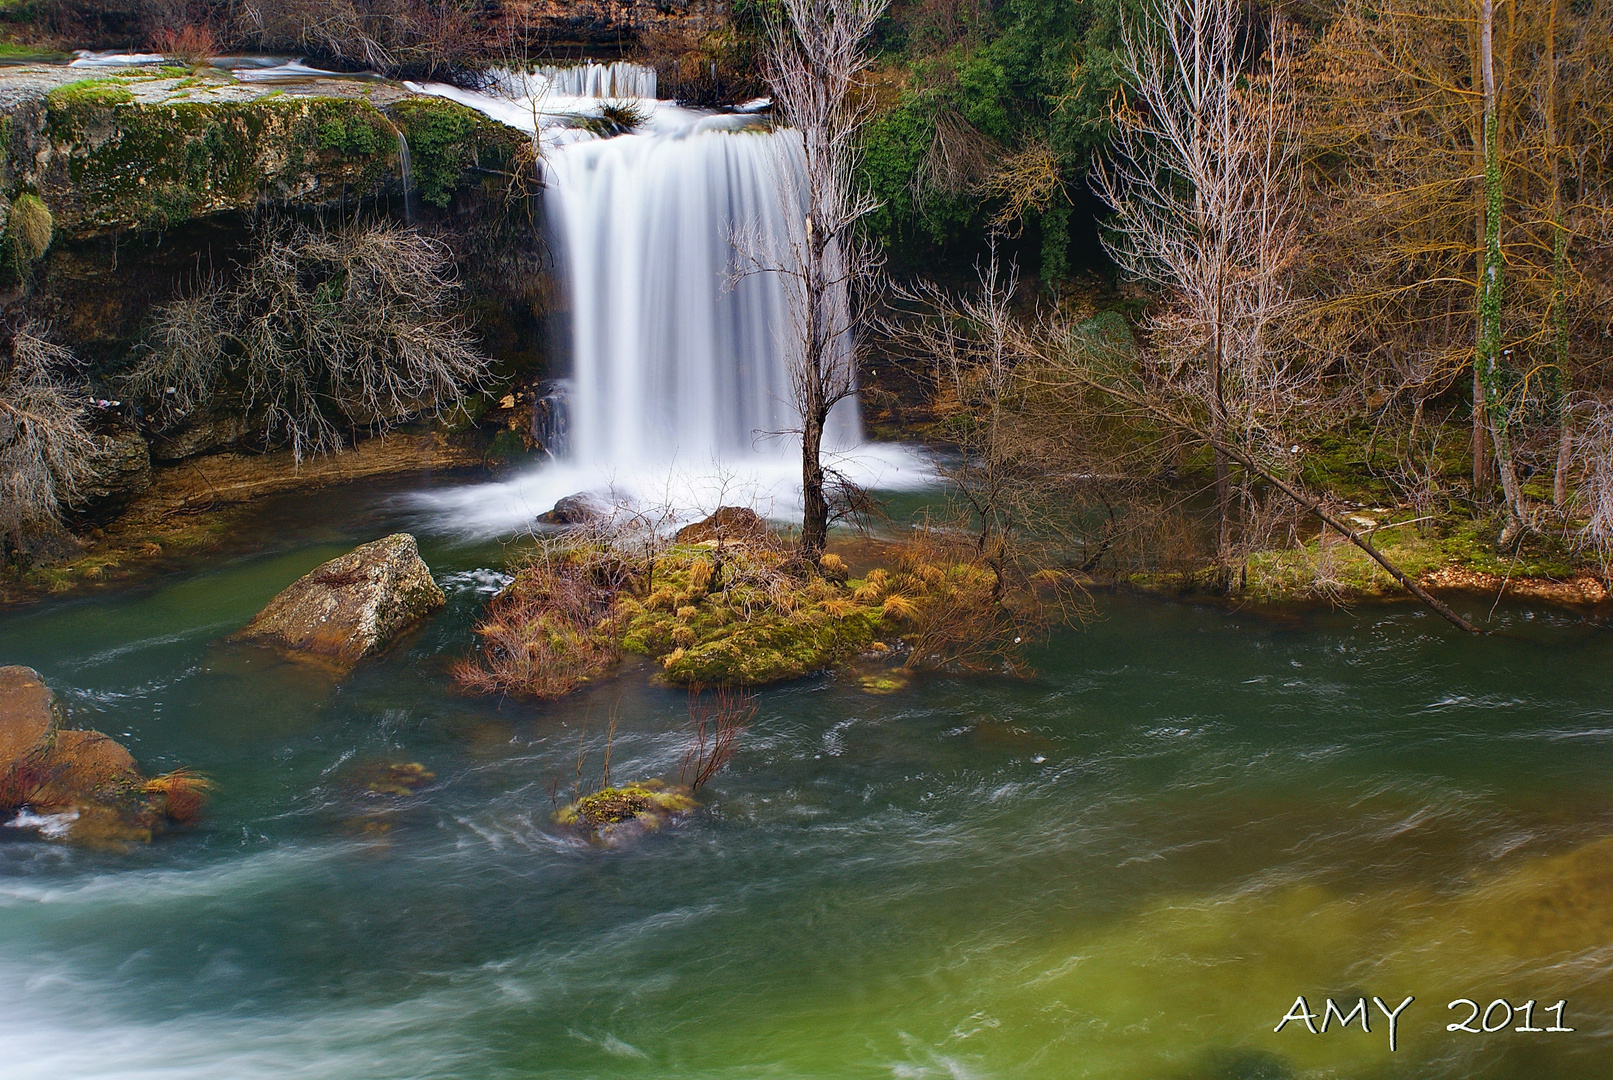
x: 86, y: 782
x: 28, y: 715
x: 87, y: 767
x: 728, y: 524
x: 353, y: 605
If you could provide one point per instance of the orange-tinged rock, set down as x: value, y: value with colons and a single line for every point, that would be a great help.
x: 28, y: 714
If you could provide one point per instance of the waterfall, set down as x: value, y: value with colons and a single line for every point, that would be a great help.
x: 407, y: 172
x: 670, y: 357
x: 616, y: 80
x: 678, y: 383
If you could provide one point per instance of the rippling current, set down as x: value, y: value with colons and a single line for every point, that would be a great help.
x: 1128, y: 866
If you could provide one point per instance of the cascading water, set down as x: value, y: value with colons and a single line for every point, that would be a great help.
x: 406, y: 174
x: 616, y: 80
x: 677, y: 353
x: 679, y: 383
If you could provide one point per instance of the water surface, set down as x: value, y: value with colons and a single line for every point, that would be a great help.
x: 1128, y: 866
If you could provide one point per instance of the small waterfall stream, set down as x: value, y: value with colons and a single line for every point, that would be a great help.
x: 406, y: 172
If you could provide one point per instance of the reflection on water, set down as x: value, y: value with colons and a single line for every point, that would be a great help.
x: 1128, y: 867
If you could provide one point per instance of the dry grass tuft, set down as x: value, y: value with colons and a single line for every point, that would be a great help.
x: 179, y: 795
x: 551, y: 630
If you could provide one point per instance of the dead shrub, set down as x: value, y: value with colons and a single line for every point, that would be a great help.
x: 550, y: 630
x: 326, y: 330
x: 189, y: 45
x: 716, y: 721
x: 46, y: 448
x: 179, y: 795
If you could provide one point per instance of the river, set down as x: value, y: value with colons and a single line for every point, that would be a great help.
x: 1128, y: 866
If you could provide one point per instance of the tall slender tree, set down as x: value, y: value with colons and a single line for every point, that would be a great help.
x: 817, y: 49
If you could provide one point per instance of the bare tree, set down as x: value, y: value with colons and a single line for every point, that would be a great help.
x: 715, y: 724
x: 816, y: 49
x: 355, y: 323
x: 1203, y: 178
x: 46, y: 448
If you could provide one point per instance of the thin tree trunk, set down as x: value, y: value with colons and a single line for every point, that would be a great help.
x: 1218, y: 430
x: 1559, y: 274
x: 1488, y: 359
x: 1483, y: 481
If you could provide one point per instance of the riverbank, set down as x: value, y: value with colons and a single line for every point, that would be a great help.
x: 198, y: 506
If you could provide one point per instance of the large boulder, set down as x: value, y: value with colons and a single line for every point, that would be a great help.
x: 573, y: 510
x: 353, y: 605
x: 730, y: 524
x: 28, y: 715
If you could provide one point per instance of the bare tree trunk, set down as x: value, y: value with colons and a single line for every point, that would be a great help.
x: 1483, y: 480
x: 816, y: 49
x: 1559, y: 273
x: 1218, y: 434
x: 1488, y: 361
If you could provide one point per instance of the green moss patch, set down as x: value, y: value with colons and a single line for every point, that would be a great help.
x: 606, y: 815
x: 736, y: 617
x: 446, y: 140
x: 122, y: 164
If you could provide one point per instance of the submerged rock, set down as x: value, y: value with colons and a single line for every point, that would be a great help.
x: 353, y: 605
x: 613, y: 815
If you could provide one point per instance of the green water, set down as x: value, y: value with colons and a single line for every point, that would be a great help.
x: 1126, y: 867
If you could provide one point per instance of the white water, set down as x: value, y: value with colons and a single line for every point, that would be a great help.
x: 680, y: 391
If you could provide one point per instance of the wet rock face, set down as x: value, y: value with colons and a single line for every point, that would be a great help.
x: 353, y: 605
x: 122, y: 474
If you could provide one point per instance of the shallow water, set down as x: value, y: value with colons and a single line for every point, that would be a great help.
x: 1126, y: 867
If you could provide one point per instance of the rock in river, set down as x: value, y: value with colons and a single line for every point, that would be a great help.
x: 68, y: 784
x: 353, y: 605
x: 579, y: 509
x: 28, y: 715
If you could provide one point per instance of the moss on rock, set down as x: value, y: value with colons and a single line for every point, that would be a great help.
x: 106, y: 161
x: 446, y: 140
x: 746, y: 623
x: 611, y: 814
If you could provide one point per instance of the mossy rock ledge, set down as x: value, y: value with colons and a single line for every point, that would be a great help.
x: 102, y: 158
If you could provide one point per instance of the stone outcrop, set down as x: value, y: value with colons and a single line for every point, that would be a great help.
x: 730, y: 524
x: 122, y: 474
x: 69, y: 784
x: 351, y: 606
x: 152, y: 148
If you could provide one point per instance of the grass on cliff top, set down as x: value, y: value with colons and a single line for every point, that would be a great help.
x: 105, y: 90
